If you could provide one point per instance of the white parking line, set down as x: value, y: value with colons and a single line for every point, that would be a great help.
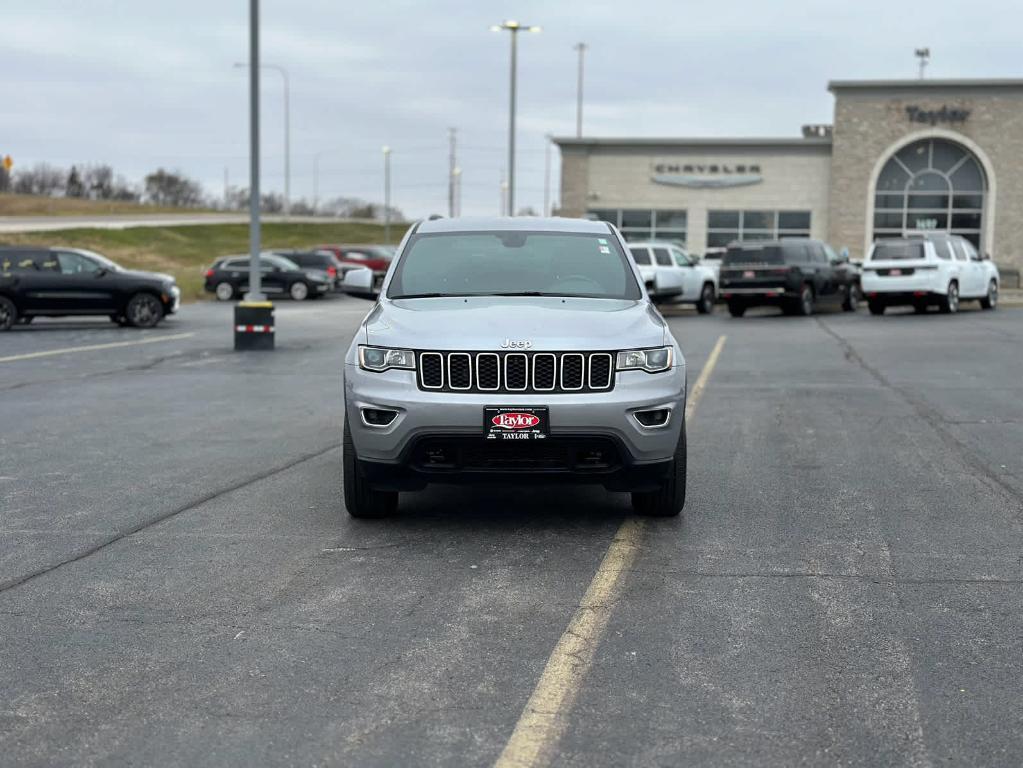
x: 94, y: 347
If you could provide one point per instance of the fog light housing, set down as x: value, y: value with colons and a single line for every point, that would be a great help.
x: 378, y: 417
x: 656, y: 417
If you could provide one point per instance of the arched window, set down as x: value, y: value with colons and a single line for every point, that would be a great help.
x: 930, y: 184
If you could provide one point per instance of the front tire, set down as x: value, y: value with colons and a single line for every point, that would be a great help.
x: 299, y: 291
x: 670, y: 498
x: 360, y: 498
x: 990, y: 301
x: 950, y: 303
x: 144, y: 310
x: 224, y: 291
x: 804, y: 305
x: 851, y: 301
x: 8, y: 314
x: 705, y: 305
x: 735, y: 309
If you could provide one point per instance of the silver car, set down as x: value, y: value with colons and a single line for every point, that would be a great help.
x: 508, y: 350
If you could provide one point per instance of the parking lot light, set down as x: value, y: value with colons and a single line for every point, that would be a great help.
x: 514, y: 28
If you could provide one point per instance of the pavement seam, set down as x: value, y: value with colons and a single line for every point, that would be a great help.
x: 128, y: 532
x: 929, y: 415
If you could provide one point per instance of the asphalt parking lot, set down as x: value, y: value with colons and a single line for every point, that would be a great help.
x: 180, y: 584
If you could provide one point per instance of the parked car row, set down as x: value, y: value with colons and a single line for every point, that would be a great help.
x: 297, y: 274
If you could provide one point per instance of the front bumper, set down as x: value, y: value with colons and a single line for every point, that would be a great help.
x: 171, y: 300
x: 607, y: 414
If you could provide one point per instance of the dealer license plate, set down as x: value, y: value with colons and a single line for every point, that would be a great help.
x: 513, y: 423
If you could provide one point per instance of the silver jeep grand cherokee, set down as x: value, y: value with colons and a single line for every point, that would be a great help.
x: 513, y: 348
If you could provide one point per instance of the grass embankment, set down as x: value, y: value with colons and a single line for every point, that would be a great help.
x: 38, y: 205
x: 185, y: 252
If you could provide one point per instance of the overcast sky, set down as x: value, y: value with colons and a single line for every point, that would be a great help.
x: 140, y: 84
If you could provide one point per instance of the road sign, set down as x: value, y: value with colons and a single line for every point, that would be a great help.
x: 8, y: 162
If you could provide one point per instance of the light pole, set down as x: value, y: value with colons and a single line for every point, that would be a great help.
x: 287, y: 130
x: 255, y: 282
x: 924, y: 54
x: 514, y: 27
x: 387, y: 194
x: 452, y: 165
x: 581, y: 47
x: 547, y: 174
x: 316, y: 180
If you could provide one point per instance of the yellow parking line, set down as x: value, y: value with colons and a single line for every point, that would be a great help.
x: 545, y: 717
x: 94, y: 347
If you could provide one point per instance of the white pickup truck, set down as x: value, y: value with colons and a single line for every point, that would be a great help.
x: 672, y: 275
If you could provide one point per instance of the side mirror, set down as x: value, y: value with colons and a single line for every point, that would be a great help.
x: 101, y: 272
x: 358, y: 282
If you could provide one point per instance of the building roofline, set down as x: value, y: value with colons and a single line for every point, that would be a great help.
x: 566, y: 141
x: 918, y: 84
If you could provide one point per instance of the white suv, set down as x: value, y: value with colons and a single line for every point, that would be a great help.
x: 673, y: 275
x: 926, y: 270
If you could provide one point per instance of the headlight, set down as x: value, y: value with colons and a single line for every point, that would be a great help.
x: 381, y: 359
x: 649, y: 360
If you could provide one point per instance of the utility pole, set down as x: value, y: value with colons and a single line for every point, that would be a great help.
x: 387, y: 194
x: 924, y: 54
x: 287, y: 129
x: 547, y: 175
x: 581, y: 47
x: 452, y: 164
x: 457, y: 173
x: 503, y: 195
x: 227, y: 188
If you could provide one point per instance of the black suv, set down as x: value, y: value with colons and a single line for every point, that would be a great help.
x: 794, y: 274
x: 56, y: 282
x: 228, y: 278
x: 323, y: 261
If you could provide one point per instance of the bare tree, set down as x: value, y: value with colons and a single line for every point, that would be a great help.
x: 40, y: 179
x: 173, y: 189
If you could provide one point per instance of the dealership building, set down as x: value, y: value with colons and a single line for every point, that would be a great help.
x: 900, y: 155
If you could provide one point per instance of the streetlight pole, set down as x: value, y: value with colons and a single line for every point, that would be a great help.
x: 457, y: 173
x: 387, y: 194
x: 514, y: 28
x: 287, y: 131
x: 547, y: 175
x: 255, y: 282
x: 316, y: 180
x: 452, y: 165
x: 581, y: 47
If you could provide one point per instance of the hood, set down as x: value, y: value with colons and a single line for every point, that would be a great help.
x: 486, y: 322
x: 159, y: 277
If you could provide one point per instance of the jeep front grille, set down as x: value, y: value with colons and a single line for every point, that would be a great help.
x: 516, y: 372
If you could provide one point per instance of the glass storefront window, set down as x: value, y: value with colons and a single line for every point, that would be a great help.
x: 637, y: 219
x: 725, y: 226
x: 642, y: 224
x: 932, y: 184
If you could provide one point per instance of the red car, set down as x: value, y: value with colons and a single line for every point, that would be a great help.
x: 375, y: 257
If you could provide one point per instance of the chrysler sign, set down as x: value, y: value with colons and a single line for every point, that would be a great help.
x: 706, y: 175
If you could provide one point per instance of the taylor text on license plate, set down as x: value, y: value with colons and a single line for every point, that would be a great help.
x: 895, y: 272
x: 749, y: 273
x: 514, y: 423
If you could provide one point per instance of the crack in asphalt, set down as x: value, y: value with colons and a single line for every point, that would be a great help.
x: 929, y: 414
x: 18, y: 581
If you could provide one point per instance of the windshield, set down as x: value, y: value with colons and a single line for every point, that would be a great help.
x: 513, y: 264
x: 753, y: 254
x: 887, y: 250
x: 103, y: 260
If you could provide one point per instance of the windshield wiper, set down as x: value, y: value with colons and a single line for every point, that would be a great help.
x: 421, y: 296
x: 518, y: 293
